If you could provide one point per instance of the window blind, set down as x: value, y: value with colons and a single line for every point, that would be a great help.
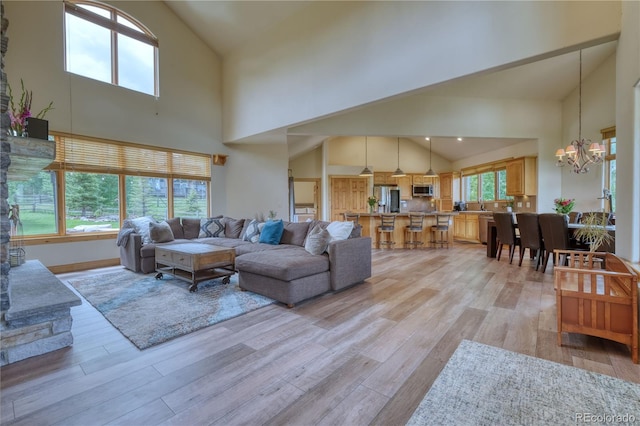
x: 81, y: 153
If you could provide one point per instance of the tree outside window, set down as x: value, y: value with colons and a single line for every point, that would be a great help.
x: 92, y: 202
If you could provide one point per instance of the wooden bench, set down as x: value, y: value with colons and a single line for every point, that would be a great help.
x: 597, y: 295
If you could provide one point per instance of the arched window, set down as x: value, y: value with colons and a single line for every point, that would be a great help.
x: 106, y: 44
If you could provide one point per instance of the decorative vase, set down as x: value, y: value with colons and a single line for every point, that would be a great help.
x: 509, y: 209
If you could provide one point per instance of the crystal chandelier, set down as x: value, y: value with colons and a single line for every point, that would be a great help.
x: 582, y: 152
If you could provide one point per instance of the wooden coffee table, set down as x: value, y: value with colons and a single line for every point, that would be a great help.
x: 195, y: 262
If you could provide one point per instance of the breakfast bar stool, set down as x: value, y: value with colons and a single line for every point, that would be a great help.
x: 413, y: 231
x: 352, y: 217
x: 387, y: 227
x: 440, y: 231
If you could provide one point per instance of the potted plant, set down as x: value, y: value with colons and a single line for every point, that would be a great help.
x: 372, y: 201
x: 594, y: 232
x: 509, y: 205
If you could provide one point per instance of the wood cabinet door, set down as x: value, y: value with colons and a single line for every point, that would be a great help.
x: 515, y: 177
x: 446, y: 186
x: 418, y: 179
x: 404, y: 185
x: 459, y: 227
x: 471, y: 228
x: 383, y: 178
x: 348, y: 195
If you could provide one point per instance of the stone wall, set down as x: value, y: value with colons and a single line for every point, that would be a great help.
x: 5, y: 161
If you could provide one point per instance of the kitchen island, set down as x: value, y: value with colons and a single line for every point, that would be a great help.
x: 463, y: 226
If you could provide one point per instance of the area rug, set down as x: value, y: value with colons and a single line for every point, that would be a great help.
x: 148, y: 311
x: 484, y: 385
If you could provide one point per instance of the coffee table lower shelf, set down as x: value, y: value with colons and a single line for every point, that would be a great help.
x: 194, y: 278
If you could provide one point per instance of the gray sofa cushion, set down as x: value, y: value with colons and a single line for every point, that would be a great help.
x: 233, y: 227
x: 176, y: 228
x: 149, y: 250
x: 294, y: 233
x: 259, y: 247
x: 285, y: 264
x: 223, y: 242
x: 191, y: 227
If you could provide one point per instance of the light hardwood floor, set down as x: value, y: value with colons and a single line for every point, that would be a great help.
x: 366, y: 355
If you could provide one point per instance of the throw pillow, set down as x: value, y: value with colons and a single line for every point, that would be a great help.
x: 141, y: 225
x: 233, y: 227
x: 317, y: 240
x: 340, y: 230
x: 356, y: 232
x: 191, y: 227
x: 211, y: 227
x: 160, y: 232
x: 295, y: 233
x: 272, y: 232
x: 252, y: 233
x: 176, y: 228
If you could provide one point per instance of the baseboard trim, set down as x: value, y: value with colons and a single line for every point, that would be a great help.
x: 83, y: 266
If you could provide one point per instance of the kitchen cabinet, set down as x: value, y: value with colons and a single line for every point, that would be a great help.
x: 423, y: 180
x: 384, y: 178
x: 348, y: 194
x: 445, y: 191
x: 404, y: 185
x: 465, y: 227
x: 521, y: 176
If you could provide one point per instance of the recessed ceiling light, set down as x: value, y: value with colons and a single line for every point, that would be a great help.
x: 459, y: 139
x: 427, y: 139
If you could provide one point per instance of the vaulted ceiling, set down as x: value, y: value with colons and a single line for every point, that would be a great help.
x: 229, y: 25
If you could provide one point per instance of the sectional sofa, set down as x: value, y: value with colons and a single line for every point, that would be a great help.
x: 284, y: 271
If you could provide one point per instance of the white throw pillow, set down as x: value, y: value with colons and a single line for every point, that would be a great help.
x: 141, y: 225
x: 340, y: 230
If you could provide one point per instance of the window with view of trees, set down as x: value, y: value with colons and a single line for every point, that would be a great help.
x: 106, y: 44
x: 94, y: 184
x: 92, y: 201
x: 485, y: 186
x: 36, y: 198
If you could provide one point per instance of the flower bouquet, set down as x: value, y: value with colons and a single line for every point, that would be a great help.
x: 372, y: 201
x: 563, y: 205
x: 18, y: 115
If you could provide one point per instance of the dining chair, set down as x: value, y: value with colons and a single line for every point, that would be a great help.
x: 530, y: 237
x: 555, y: 235
x: 387, y: 227
x: 506, y: 233
x: 575, y: 217
x: 413, y: 231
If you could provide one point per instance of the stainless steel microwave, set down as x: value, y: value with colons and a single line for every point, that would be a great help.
x: 423, y: 190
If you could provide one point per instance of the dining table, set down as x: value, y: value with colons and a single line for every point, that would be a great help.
x: 492, y: 244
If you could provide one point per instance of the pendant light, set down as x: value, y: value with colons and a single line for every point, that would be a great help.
x: 430, y: 173
x: 398, y: 172
x: 366, y: 171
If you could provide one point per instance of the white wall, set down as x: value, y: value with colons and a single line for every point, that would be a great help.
x: 187, y: 115
x: 628, y: 133
x: 333, y: 56
x: 598, y: 112
x: 257, y: 180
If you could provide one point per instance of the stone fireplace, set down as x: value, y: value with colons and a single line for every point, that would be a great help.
x: 35, y: 307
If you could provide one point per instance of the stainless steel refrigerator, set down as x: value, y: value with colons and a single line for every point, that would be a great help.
x: 388, y: 198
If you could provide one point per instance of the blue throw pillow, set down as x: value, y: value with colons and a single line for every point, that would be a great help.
x: 272, y: 232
